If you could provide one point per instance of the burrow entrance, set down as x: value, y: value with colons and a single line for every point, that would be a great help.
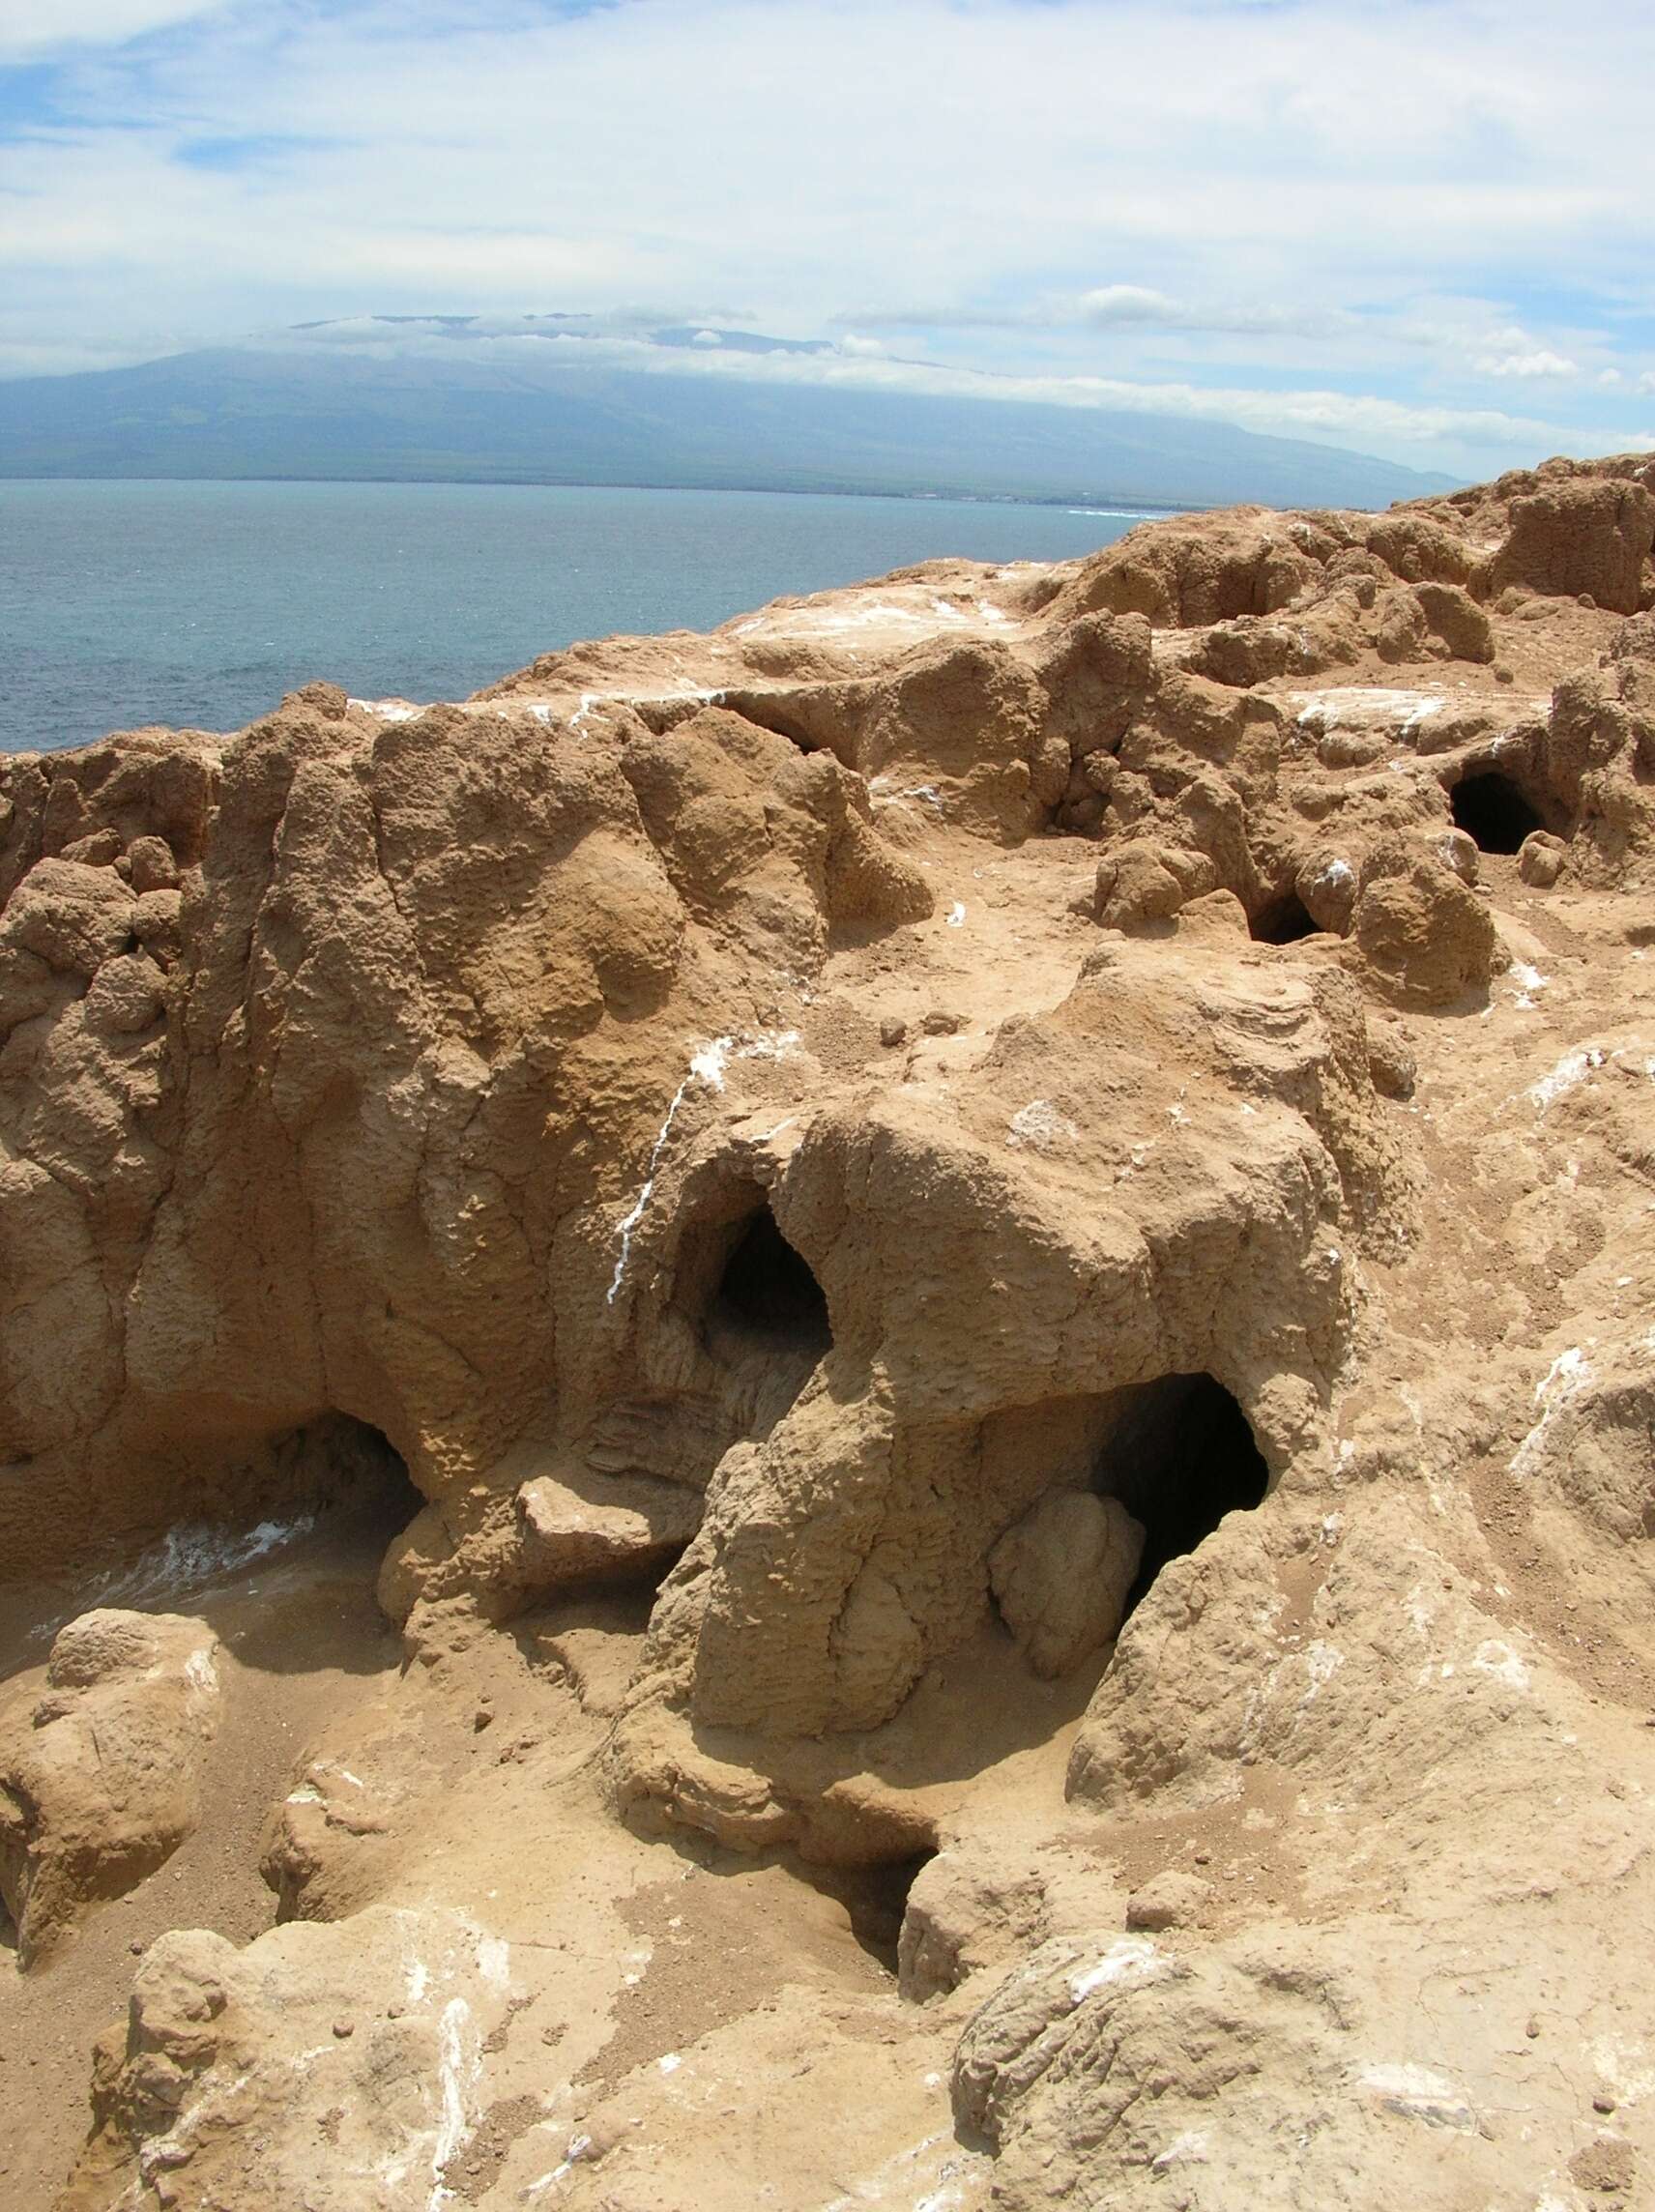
x: 874, y: 1899
x: 1283, y: 921
x: 331, y: 1471
x: 1493, y: 812
x: 334, y: 1482
x: 1179, y: 1454
x: 754, y: 1303
x: 767, y: 1293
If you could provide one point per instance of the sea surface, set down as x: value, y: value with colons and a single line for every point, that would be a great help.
x: 199, y: 605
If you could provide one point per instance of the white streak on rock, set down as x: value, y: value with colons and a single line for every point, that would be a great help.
x: 707, y: 1066
x: 1322, y: 1662
x: 1529, y: 981
x: 1039, y: 1124
x: 1493, y: 1657
x: 388, y: 710
x: 1417, y: 2093
x: 630, y: 1222
x: 494, y: 1960
x: 1568, y: 1374
x: 187, y: 1558
x: 1188, y: 2149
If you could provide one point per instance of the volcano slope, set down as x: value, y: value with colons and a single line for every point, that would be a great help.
x: 857, y: 1413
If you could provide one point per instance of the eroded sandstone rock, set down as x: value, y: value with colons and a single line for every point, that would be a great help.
x: 100, y: 1776
x: 998, y: 1178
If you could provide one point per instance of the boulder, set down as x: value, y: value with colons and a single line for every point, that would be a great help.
x: 100, y: 1777
x: 1063, y: 1574
x: 630, y: 1532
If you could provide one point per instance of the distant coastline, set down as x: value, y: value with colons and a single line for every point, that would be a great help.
x: 1108, y: 506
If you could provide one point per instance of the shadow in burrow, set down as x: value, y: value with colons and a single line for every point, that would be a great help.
x: 873, y: 1895
x: 275, y: 1528
x: 1494, y: 811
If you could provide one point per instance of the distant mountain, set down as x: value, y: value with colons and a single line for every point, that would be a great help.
x: 551, y: 400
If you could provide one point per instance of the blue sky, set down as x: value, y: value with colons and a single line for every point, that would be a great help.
x: 1422, y: 228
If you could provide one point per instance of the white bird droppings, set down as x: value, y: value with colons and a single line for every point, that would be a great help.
x: 1039, y: 1124
x: 1133, y: 1959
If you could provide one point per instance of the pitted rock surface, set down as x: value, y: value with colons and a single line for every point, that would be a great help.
x: 967, y: 1264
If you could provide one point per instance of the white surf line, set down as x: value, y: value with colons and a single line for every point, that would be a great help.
x: 707, y: 1066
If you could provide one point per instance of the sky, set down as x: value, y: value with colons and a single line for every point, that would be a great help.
x: 1419, y: 228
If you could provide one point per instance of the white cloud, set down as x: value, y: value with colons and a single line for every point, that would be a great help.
x: 1128, y: 303
x: 1116, y: 305
x: 1539, y: 363
x: 32, y: 28
x: 1306, y: 214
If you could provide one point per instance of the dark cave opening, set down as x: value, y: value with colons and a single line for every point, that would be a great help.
x: 1493, y: 812
x: 1283, y: 921
x: 755, y: 1306
x: 338, y: 1468
x: 874, y: 1899
x: 374, y: 1478
x: 767, y: 1294
x: 323, y: 1503
x: 1179, y: 1456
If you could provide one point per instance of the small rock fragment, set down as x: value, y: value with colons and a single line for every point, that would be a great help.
x: 1169, y: 1900
x: 1540, y: 860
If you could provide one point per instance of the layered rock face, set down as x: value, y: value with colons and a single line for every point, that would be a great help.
x: 981, y: 1242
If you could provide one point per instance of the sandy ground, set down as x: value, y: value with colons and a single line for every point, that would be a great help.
x: 302, y: 1639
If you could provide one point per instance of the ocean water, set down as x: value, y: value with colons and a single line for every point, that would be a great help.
x: 199, y: 605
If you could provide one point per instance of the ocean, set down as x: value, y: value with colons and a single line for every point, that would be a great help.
x: 199, y: 605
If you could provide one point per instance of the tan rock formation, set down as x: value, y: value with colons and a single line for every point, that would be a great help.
x: 976, y: 1249
x: 100, y: 1778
